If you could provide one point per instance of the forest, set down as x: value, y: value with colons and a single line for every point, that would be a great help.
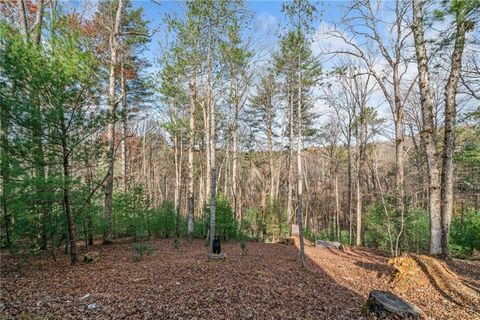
x: 149, y: 129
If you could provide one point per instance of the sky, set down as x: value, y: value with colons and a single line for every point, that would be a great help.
x: 267, y: 14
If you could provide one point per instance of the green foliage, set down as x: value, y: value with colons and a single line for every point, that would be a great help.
x: 275, y: 221
x: 165, y: 220
x: 45, y: 90
x: 309, y: 234
x: 252, y: 224
x: 417, y: 230
x: 226, y: 224
x: 328, y: 235
x: 465, y: 234
x: 131, y: 211
x: 269, y: 223
x: 415, y: 233
x: 375, y: 229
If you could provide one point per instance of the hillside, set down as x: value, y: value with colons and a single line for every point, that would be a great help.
x: 180, y: 283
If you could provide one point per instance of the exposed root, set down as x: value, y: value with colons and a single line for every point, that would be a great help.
x: 413, y: 271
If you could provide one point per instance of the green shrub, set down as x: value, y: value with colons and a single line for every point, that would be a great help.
x: 252, y: 224
x: 164, y: 220
x: 415, y: 233
x: 131, y: 212
x: 226, y: 224
x: 465, y: 234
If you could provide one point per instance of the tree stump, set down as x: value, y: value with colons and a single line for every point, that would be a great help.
x: 386, y: 305
x: 220, y: 256
x: 329, y: 244
x: 91, y: 257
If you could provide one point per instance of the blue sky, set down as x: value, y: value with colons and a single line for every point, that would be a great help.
x: 267, y: 13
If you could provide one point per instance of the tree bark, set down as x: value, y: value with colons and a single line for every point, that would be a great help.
x: 337, y: 207
x: 449, y: 139
x: 123, y: 94
x: 37, y: 35
x: 191, y: 138
x: 358, y: 202
x: 350, y: 186
x: 107, y: 210
x: 290, y: 165
x: 5, y: 170
x: 236, y: 199
x: 270, y: 156
x: 428, y: 129
x: 211, y: 145
x: 22, y: 18
x: 299, y: 166
x: 72, y: 237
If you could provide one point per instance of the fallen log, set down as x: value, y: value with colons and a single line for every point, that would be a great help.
x: 386, y: 305
x: 329, y: 244
x: 220, y: 256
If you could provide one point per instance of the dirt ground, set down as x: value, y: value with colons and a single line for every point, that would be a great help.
x: 180, y: 283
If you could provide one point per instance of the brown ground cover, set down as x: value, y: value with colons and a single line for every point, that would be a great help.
x: 266, y: 283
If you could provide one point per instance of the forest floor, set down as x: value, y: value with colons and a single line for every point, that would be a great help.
x: 265, y: 283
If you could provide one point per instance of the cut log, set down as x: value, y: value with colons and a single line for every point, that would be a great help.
x: 220, y: 256
x: 287, y: 241
x: 386, y: 305
x: 329, y: 244
x: 91, y: 257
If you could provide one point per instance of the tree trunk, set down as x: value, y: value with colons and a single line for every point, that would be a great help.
x: 191, y: 141
x: 399, y: 145
x: 449, y: 139
x: 428, y: 129
x: 350, y: 188
x: 107, y: 209
x: 176, y: 161
x: 236, y: 199
x: 359, y: 177
x: 206, y: 121
x: 22, y: 18
x: 299, y: 167
x: 123, y: 93
x: 211, y: 146
x: 5, y: 170
x: 358, y: 241
x: 270, y: 160
x: 337, y: 207
x: 67, y: 198
x: 37, y: 35
x: 290, y: 165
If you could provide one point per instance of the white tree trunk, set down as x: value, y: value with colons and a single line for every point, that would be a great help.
x: 290, y: 165
x: 191, y: 141
x: 299, y: 167
x: 107, y: 210
x: 449, y: 139
x: 428, y: 129
x: 123, y: 93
